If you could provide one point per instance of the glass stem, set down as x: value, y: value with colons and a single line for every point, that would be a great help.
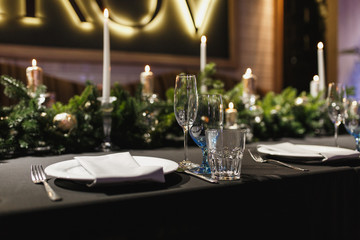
x: 107, y: 126
x: 336, y: 134
x: 185, y: 144
x: 204, y: 163
x: 357, y: 144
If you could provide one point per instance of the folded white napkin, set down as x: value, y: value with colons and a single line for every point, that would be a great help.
x: 296, y: 151
x: 118, y: 168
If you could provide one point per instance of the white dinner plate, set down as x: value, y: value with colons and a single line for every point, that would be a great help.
x: 72, y: 170
x: 310, y: 151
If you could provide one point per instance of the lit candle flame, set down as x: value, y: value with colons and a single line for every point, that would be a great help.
x: 316, y: 78
x: 106, y: 13
x: 34, y: 62
x: 320, y: 45
x: 147, y: 68
x: 231, y: 105
x: 203, y: 39
x: 248, y: 73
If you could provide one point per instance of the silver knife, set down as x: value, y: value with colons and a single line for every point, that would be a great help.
x: 210, y: 180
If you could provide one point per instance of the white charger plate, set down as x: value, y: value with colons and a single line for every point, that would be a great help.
x: 314, y: 151
x: 72, y: 170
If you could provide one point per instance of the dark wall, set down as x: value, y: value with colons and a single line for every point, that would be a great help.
x: 169, y: 32
x: 303, y: 29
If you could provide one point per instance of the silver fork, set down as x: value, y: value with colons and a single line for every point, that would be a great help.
x: 38, y: 176
x: 258, y: 158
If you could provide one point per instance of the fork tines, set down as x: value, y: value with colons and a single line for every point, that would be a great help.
x: 37, y: 173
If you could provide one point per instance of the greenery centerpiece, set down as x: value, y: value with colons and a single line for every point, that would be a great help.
x: 28, y: 127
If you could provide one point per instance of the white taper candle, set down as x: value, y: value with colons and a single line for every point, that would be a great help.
x: 321, y: 68
x: 106, y: 59
x: 202, y: 53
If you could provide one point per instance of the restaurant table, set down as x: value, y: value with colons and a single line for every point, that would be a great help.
x: 268, y: 201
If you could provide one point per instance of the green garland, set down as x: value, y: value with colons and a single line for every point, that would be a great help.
x: 287, y: 114
x: 27, y: 128
x: 30, y: 128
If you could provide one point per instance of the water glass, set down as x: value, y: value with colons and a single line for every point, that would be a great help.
x: 209, y: 116
x: 352, y: 119
x: 225, y: 152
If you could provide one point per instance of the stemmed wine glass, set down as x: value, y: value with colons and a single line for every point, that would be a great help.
x: 352, y: 119
x: 185, y: 108
x: 335, y: 103
x: 209, y: 116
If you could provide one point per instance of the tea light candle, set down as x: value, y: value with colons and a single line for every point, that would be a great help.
x: 34, y: 75
x: 314, y: 86
x: 249, y: 81
x: 147, y: 81
x: 231, y: 115
x: 106, y: 60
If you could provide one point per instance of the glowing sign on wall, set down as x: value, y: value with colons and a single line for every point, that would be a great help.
x: 197, y: 10
x: 167, y: 26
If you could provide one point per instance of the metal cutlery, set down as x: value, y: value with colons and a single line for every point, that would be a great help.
x: 258, y: 158
x: 205, y: 178
x: 38, y: 176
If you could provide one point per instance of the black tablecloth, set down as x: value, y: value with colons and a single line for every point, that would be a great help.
x: 269, y: 201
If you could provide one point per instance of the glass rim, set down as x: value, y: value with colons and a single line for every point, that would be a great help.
x: 226, y: 130
x: 186, y: 75
x: 210, y: 94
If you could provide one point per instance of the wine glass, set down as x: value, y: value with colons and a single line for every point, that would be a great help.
x: 185, y: 108
x: 209, y: 116
x: 352, y: 119
x: 335, y: 103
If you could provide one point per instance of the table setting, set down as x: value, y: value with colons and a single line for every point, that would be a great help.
x: 275, y: 184
x: 223, y: 160
x: 108, y: 162
x: 308, y: 153
x: 112, y: 169
x: 104, y: 172
x: 198, y: 108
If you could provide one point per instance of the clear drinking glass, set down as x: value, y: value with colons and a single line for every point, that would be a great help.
x: 352, y: 119
x: 210, y: 115
x: 185, y: 108
x: 335, y: 103
x: 225, y: 152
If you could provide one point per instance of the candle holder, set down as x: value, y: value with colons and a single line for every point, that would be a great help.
x: 150, y: 116
x: 106, y: 109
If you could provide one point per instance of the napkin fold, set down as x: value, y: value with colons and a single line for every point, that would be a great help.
x: 118, y: 168
x: 299, y: 152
